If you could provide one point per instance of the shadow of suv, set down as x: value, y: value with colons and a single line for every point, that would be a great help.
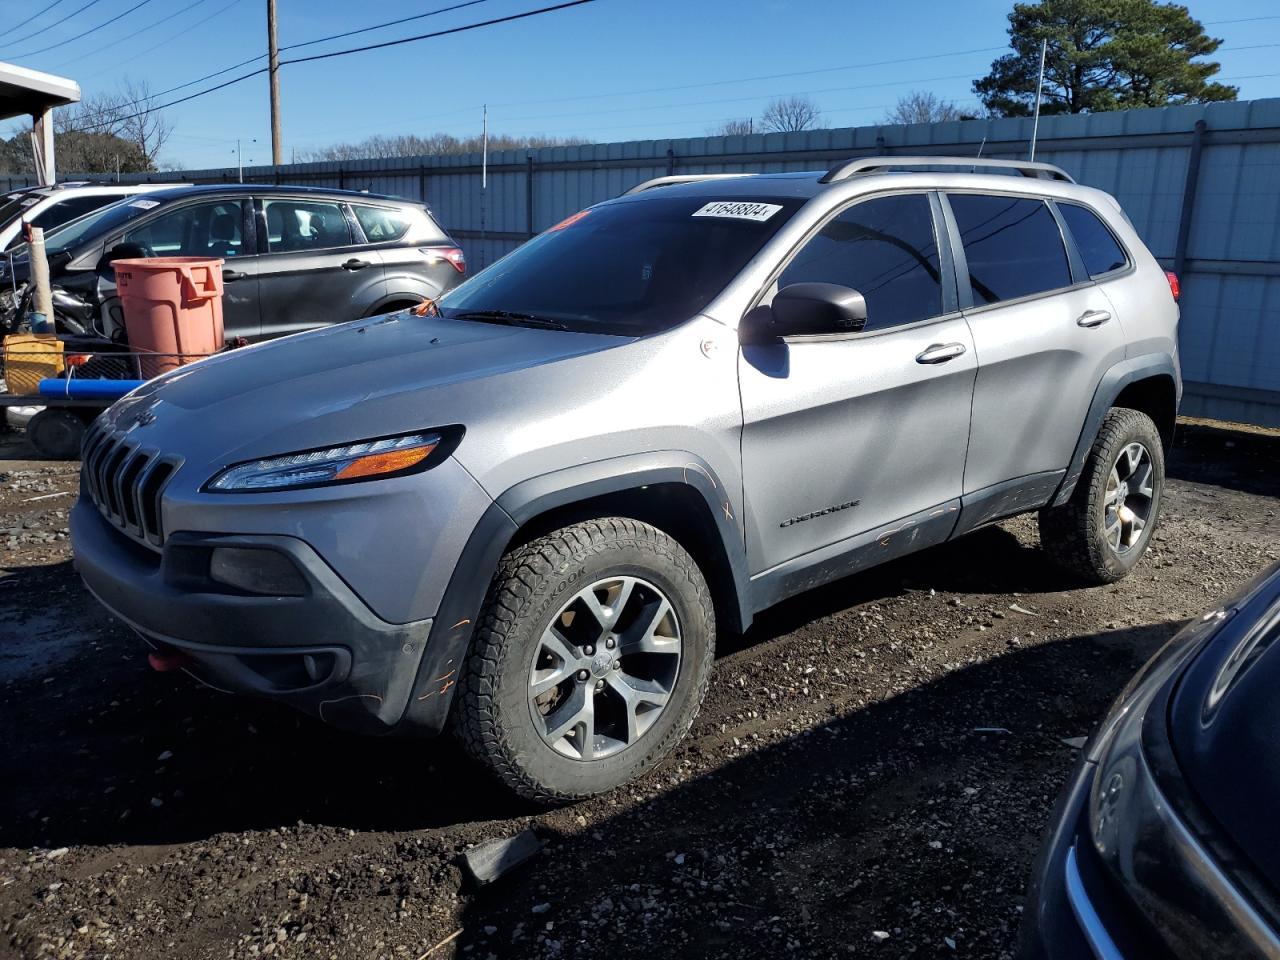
x: 527, y: 515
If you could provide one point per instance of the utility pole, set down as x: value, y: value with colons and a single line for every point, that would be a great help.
x: 273, y: 50
x: 1035, y: 126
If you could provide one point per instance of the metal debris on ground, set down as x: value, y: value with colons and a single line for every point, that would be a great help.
x: 486, y: 862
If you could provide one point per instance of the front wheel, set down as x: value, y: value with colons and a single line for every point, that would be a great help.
x: 590, y: 660
x: 1103, y: 530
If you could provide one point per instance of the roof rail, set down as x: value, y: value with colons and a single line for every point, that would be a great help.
x: 863, y: 165
x: 681, y: 178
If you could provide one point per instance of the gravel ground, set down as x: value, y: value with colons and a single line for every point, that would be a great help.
x: 869, y: 777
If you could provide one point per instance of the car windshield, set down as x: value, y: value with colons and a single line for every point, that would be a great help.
x: 630, y: 268
x: 94, y: 224
x: 14, y: 203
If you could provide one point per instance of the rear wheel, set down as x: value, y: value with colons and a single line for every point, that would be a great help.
x: 590, y: 660
x: 1103, y: 530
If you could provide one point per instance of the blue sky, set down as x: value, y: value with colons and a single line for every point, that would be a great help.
x: 609, y: 70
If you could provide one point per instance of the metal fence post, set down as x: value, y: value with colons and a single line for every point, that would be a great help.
x: 671, y: 161
x: 528, y: 194
x: 1188, y: 200
x: 422, y: 183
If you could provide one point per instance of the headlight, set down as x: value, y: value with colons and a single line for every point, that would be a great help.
x: 367, y: 460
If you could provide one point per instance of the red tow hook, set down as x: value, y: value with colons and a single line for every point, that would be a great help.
x: 168, y: 659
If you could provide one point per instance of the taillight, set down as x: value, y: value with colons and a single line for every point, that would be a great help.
x: 1174, y: 286
x: 453, y: 255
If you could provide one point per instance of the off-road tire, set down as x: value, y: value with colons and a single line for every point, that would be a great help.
x: 1072, y: 534
x: 491, y: 713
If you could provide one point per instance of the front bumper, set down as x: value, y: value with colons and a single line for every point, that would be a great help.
x: 1052, y: 927
x: 322, y: 650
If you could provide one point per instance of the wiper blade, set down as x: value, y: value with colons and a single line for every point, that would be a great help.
x: 509, y: 317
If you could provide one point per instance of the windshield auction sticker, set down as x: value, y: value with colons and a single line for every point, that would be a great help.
x: 738, y: 210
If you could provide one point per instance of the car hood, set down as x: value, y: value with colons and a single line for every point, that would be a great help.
x: 1223, y: 721
x: 370, y: 378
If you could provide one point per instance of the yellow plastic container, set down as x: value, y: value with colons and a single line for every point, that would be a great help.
x: 30, y: 358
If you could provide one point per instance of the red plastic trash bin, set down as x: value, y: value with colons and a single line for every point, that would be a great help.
x: 173, y: 307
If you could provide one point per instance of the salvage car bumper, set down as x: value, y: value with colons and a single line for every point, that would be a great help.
x: 310, y: 641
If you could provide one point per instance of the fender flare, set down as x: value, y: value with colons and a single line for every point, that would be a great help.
x: 1109, y: 387
x: 452, y: 627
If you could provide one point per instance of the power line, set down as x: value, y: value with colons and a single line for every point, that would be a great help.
x: 1214, y: 23
x: 97, y: 50
x: 305, y: 43
x: 379, y: 26
x: 767, y: 76
x: 438, y: 33
x: 41, y: 13
x: 61, y: 43
x: 338, y: 53
x: 167, y: 40
x: 10, y: 43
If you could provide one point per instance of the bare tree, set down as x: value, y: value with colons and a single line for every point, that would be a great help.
x: 412, y: 145
x: 790, y: 113
x: 141, y: 123
x: 733, y: 128
x: 921, y: 106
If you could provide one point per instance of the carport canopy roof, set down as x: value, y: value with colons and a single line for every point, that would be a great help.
x: 26, y: 92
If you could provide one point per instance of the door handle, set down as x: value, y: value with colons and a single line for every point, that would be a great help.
x: 1094, y: 318
x: 228, y: 276
x: 940, y: 352
x: 354, y: 264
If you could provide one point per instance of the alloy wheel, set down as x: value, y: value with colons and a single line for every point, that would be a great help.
x: 1129, y: 498
x: 605, y: 668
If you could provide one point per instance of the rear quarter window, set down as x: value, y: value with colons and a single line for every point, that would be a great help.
x: 1097, y: 245
x: 392, y: 224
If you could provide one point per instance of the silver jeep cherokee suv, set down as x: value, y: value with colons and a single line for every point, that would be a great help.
x: 525, y: 515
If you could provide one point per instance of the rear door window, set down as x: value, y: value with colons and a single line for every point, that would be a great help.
x: 884, y: 248
x: 294, y: 225
x: 1013, y: 246
x: 1098, y: 247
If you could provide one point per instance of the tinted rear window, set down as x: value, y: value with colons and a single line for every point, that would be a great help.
x: 634, y: 267
x: 1013, y: 246
x: 1099, y: 249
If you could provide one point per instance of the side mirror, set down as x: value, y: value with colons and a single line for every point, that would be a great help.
x: 121, y: 251
x: 805, y: 310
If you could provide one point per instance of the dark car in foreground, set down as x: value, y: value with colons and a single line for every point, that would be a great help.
x: 1166, y: 842
x: 296, y: 257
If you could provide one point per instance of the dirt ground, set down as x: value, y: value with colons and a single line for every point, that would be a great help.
x: 870, y: 775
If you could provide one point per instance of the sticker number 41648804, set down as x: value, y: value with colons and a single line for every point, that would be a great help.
x: 738, y: 210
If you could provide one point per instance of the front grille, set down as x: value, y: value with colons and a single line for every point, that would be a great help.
x: 124, y: 479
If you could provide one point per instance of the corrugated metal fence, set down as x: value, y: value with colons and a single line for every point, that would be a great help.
x: 1201, y: 184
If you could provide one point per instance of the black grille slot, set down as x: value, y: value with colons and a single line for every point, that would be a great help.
x: 112, y: 461
x: 127, y: 490
x: 149, y: 499
x: 125, y: 482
